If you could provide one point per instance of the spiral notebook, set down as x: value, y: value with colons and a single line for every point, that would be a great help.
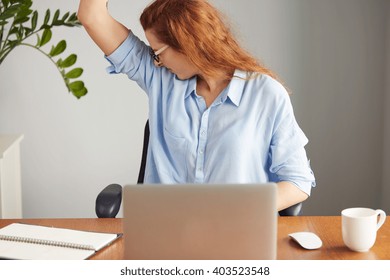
x: 32, y: 242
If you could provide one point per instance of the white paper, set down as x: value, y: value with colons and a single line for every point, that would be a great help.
x: 23, y: 250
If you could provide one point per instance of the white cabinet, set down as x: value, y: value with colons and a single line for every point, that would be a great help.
x: 10, y: 177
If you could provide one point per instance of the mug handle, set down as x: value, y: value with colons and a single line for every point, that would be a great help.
x: 382, y: 218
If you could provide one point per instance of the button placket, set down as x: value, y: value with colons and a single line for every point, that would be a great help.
x: 199, y: 174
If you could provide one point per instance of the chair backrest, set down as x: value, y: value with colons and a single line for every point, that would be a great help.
x: 141, y: 173
x: 293, y: 210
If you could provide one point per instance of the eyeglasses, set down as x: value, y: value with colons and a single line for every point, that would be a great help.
x: 155, y: 54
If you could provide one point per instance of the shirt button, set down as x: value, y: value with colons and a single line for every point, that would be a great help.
x: 202, y: 132
x: 201, y: 152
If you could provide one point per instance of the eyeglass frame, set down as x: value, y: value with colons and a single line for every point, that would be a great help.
x: 155, y: 54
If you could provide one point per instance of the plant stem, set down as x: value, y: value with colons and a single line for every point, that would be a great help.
x: 48, y: 56
x: 4, y: 52
x: 4, y: 55
x: 1, y: 34
x: 5, y: 41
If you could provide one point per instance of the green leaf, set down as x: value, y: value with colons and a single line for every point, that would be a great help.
x: 72, y: 21
x: 73, y: 17
x: 61, y: 46
x: 65, y: 16
x: 34, y: 20
x: 19, y: 34
x: 14, y: 30
x: 47, y: 17
x: 80, y: 93
x: 25, y: 3
x: 55, y: 17
x: 10, y: 12
x: 46, y: 36
x: 75, y: 73
x: 21, y: 20
x: 23, y: 12
x: 5, y: 16
x: 77, y: 85
x: 69, y: 61
x: 78, y: 89
x: 27, y: 31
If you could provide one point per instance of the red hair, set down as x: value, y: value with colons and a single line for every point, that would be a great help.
x: 196, y: 29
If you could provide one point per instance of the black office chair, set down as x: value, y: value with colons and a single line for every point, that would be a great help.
x: 109, y: 199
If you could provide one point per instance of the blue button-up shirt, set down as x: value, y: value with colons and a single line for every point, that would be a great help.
x: 248, y: 135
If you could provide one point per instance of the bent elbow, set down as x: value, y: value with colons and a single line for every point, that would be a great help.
x: 90, y: 13
x: 85, y: 18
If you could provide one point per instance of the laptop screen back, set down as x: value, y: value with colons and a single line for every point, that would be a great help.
x: 196, y: 222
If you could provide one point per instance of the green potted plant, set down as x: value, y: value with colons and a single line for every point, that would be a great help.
x: 18, y: 27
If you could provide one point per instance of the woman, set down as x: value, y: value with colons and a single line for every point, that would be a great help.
x: 215, y: 114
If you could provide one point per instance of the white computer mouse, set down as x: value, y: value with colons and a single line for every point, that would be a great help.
x: 307, y: 240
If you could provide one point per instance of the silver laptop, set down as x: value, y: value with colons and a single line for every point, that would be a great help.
x: 200, y: 222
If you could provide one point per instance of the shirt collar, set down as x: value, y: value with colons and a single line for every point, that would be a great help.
x: 234, y: 91
x: 192, y: 87
x: 236, y: 87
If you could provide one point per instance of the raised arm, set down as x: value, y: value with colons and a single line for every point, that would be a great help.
x: 104, y: 30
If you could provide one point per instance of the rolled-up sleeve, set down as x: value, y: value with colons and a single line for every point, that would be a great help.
x: 287, y: 150
x: 132, y: 58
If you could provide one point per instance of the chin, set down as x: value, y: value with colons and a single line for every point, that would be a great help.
x: 180, y: 78
x: 183, y: 77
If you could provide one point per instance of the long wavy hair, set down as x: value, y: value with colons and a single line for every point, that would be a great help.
x: 196, y: 29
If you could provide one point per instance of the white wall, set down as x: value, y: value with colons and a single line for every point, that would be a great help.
x: 329, y: 53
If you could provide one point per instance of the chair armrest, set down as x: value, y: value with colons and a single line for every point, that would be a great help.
x: 109, y: 201
x: 293, y: 210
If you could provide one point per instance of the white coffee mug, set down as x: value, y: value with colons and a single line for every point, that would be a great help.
x: 359, y: 227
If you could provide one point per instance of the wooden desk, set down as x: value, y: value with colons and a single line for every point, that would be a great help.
x: 327, y: 228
